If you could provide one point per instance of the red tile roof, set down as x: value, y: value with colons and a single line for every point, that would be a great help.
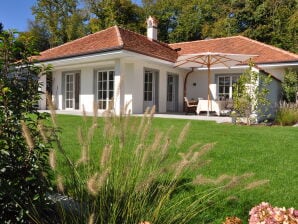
x: 141, y: 44
x: 116, y: 38
x: 113, y: 38
x: 238, y: 45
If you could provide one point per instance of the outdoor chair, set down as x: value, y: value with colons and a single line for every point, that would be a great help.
x: 190, y: 107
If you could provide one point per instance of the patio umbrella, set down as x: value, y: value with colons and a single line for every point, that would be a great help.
x: 211, y: 60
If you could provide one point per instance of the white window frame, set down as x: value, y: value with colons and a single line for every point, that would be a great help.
x: 232, y: 79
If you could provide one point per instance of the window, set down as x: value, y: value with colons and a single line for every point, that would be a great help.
x: 225, y: 86
x: 105, y: 88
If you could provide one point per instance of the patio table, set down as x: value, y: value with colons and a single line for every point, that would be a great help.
x: 214, y: 106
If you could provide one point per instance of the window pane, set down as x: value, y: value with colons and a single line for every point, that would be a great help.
x: 111, y: 85
x: 111, y: 75
x: 221, y: 80
x: 111, y: 94
x: 104, y: 76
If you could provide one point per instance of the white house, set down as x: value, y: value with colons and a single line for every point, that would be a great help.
x: 117, y: 68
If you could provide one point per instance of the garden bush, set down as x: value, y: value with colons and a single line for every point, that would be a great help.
x: 24, y: 166
x: 290, y: 86
x: 287, y: 114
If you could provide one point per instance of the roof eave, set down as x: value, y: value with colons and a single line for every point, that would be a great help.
x: 277, y: 64
x: 82, y: 54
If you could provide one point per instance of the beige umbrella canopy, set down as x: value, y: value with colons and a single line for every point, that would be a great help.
x: 210, y: 60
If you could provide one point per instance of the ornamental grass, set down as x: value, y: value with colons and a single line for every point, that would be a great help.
x: 135, y: 174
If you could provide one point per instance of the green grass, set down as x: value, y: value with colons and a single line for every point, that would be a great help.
x: 268, y: 152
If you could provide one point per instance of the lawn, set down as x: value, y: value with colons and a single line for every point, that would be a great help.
x: 270, y: 153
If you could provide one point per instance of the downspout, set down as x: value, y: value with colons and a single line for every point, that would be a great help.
x: 185, y: 80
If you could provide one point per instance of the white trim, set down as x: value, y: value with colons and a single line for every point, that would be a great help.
x: 278, y: 65
x: 87, y: 59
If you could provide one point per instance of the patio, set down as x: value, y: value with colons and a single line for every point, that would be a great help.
x: 203, y: 117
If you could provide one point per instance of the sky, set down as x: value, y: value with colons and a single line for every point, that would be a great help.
x: 15, y: 14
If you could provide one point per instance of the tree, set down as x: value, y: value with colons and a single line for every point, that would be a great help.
x: 107, y: 13
x: 62, y: 18
x: 24, y: 169
x: 268, y: 21
x: 38, y: 35
x: 189, y: 22
x: 250, y: 95
x: 290, y: 86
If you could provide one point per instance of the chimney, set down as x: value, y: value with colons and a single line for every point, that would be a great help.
x: 151, y: 28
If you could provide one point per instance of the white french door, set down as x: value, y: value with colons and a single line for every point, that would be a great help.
x: 172, y: 93
x: 150, y: 89
x: 69, y: 90
x: 105, y: 89
x: 71, y: 82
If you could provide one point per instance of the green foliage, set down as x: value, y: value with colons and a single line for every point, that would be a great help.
x: 62, y: 18
x: 38, y: 36
x: 23, y: 157
x: 287, y: 114
x: 107, y: 13
x: 290, y: 85
x: 272, y: 22
x: 250, y: 95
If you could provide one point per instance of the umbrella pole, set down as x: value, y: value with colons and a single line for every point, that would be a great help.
x: 208, y: 65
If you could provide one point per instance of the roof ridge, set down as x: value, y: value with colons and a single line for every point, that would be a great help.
x: 269, y: 46
x: 119, y: 37
x: 141, y: 35
x: 218, y: 38
x: 81, y: 38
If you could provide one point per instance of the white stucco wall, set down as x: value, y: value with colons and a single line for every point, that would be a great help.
x: 56, y: 89
x: 87, y: 92
x: 197, y: 83
x: 134, y: 84
x: 129, y: 75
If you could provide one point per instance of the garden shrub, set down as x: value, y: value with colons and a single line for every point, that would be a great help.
x: 290, y: 86
x: 250, y: 95
x: 287, y: 114
x: 24, y: 166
